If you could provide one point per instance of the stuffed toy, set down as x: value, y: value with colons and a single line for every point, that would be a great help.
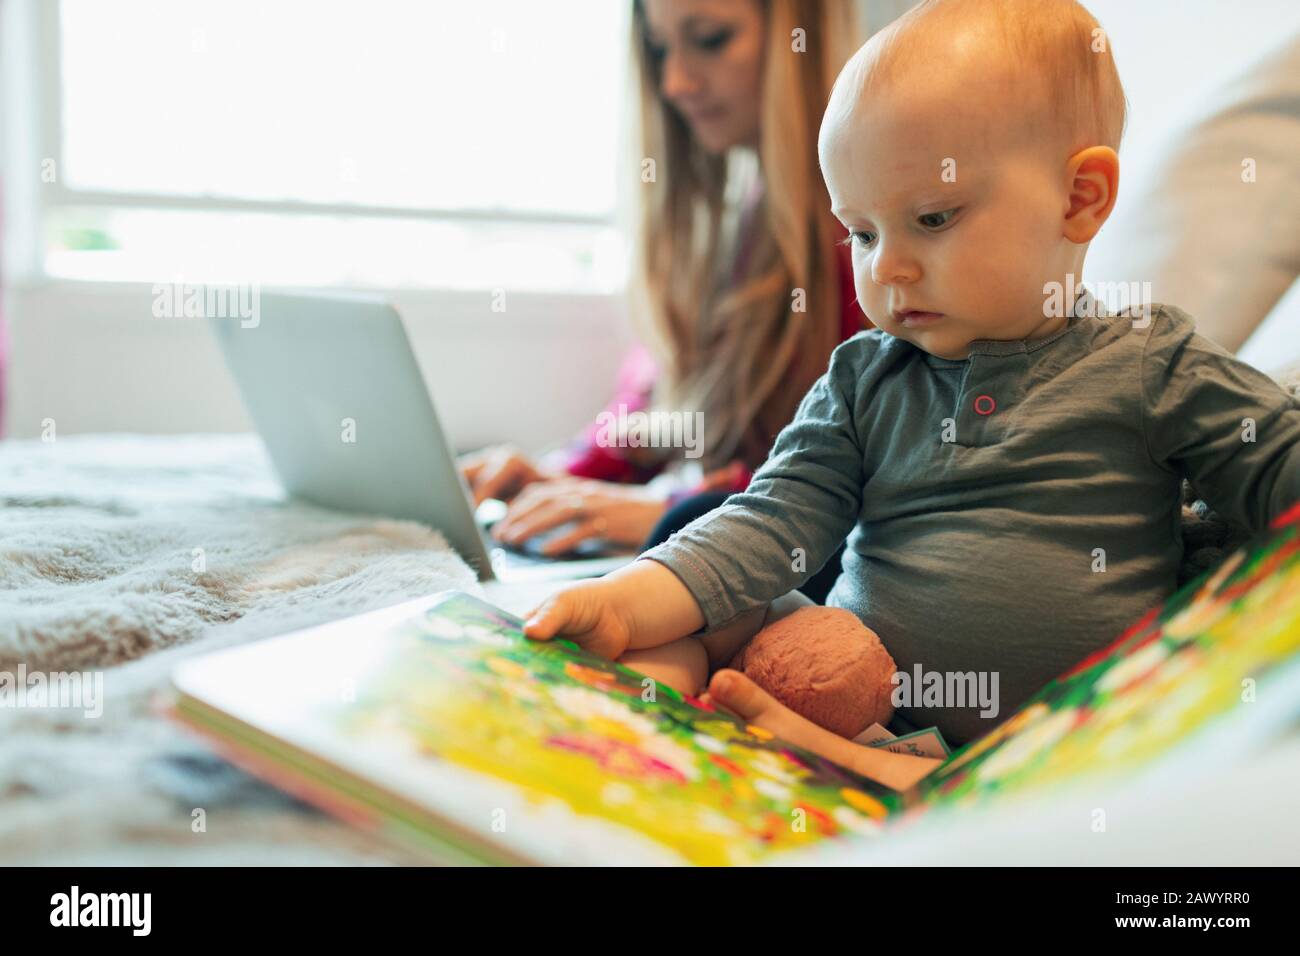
x: 825, y: 664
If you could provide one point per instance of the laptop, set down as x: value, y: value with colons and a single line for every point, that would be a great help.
x: 335, y: 391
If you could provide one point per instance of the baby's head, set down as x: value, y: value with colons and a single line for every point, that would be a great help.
x: 970, y: 149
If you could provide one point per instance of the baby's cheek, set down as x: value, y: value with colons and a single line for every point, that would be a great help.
x: 987, y: 280
x: 870, y: 296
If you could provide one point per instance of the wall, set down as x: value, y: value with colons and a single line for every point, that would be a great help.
x: 94, y: 358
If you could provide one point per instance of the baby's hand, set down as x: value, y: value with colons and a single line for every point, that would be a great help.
x: 587, y: 614
x: 638, y: 606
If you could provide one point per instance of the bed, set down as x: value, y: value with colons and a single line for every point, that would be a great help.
x: 121, y: 555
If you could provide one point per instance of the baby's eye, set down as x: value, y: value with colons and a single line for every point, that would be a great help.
x: 863, y: 239
x: 936, y: 220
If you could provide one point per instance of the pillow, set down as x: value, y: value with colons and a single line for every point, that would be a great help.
x: 1209, y: 240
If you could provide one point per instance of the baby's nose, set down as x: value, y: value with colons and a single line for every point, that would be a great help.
x: 894, y: 266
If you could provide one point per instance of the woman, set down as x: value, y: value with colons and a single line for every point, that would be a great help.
x: 741, y: 291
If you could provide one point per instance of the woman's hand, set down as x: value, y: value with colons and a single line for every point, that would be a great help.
x: 740, y: 695
x: 501, y: 471
x: 619, y: 514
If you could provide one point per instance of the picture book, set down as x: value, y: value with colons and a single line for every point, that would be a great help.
x: 441, y: 724
x: 454, y: 729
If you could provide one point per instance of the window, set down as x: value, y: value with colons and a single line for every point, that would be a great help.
x: 378, y: 143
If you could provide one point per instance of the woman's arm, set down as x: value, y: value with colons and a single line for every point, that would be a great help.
x: 602, y: 498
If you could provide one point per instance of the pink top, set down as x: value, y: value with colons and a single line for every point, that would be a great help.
x: 636, y: 378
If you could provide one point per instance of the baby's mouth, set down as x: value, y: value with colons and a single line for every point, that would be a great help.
x: 913, y: 318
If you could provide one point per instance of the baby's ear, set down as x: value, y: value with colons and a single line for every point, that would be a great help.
x: 1094, y: 183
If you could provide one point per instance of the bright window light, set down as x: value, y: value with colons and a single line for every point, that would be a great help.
x: 488, y: 129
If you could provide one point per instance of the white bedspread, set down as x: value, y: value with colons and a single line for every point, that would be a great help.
x: 123, y: 554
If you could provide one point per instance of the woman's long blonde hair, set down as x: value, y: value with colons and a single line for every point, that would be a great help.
x: 738, y: 348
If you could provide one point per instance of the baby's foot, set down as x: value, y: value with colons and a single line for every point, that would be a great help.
x: 735, y: 692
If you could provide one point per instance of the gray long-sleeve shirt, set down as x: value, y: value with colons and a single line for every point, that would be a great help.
x: 1006, y: 514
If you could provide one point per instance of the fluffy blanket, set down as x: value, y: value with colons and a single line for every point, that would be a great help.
x: 120, y: 555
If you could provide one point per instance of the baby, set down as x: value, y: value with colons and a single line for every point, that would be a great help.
x: 1005, y: 459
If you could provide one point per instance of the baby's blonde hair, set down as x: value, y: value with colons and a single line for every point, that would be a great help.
x: 1055, y: 44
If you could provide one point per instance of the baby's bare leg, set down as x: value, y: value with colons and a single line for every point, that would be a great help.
x: 685, y: 664
x: 682, y: 664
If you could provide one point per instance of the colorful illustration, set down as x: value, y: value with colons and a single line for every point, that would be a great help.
x: 466, y: 686
x: 438, y: 726
x: 1222, y: 643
